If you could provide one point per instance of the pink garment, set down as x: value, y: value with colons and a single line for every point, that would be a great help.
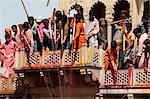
x: 9, y: 60
x: 40, y: 31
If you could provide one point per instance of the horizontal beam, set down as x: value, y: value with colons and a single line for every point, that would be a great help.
x: 124, y: 91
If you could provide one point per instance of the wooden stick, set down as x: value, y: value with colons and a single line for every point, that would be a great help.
x: 24, y: 8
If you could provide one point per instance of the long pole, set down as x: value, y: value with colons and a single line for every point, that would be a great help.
x: 24, y: 8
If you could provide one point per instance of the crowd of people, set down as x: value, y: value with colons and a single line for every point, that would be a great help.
x: 129, y: 46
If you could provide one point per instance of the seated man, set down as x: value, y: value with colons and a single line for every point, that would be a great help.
x: 111, y: 59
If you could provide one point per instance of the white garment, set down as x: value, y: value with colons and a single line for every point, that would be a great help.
x: 142, y: 38
x: 72, y: 13
x: 92, y: 27
x: 48, y: 33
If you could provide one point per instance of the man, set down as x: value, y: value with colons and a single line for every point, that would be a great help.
x: 64, y: 32
x: 147, y: 53
x: 47, y: 41
x: 16, y: 31
x: 111, y: 59
x: 57, y: 28
x: 34, y: 29
x: 28, y: 37
x: 9, y: 56
x: 141, y: 38
x: 102, y: 34
x: 91, y: 29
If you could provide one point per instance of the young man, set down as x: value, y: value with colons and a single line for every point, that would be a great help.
x: 48, y: 38
x: 141, y: 38
x: 111, y: 59
x: 16, y: 31
x: 9, y: 56
x: 91, y: 29
x: 28, y: 37
x: 64, y: 35
x: 34, y: 29
x: 102, y: 34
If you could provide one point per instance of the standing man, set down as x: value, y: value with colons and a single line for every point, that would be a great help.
x: 141, y: 38
x: 91, y: 29
x: 111, y: 59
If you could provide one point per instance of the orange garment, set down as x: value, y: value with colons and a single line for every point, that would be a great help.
x: 80, y: 37
x: 110, y: 58
x: 72, y: 23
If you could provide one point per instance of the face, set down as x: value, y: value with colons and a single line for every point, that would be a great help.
x: 31, y: 22
x: 8, y: 39
x: 14, y: 29
x: 138, y: 35
x: 102, y: 21
x: 91, y: 18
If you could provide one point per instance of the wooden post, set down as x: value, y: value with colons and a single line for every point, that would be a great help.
x: 16, y: 64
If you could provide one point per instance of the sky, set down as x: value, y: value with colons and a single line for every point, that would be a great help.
x: 12, y: 12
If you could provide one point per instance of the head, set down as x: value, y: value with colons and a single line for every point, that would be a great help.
x: 31, y: 20
x: 78, y: 18
x: 38, y: 20
x: 14, y: 28
x: 58, y: 15
x: 102, y: 22
x: 64, y: 19
x: 7, y: 38
x: 91, y: 15
x: 114, y: 45
x: 8, y: 31
x: 46, y: 23
x: 137, y: 32
x: 147, y: 43
x: 129, y: 27
x: 25, y: 25
x: 123, y: 14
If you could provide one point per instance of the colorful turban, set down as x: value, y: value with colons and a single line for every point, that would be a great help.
x: 8, y: 30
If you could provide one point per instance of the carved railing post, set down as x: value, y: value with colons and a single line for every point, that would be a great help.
x: 17, y: 58
x: 83, y: 54
x: 22, y: 58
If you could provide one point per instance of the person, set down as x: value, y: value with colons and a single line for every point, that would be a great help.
x: 111, y: 59
x: 33, y: 27
x: 91, y: 29
x: 147, y: 53
x: 57, y: 29
x: 48, y: 38
x: 64, y: 36
x: 141, y: 38
x: 9, y: 57
x: 80, y: 38
x: 102, y: 34
x: 16, y: 31
x: 28, y: 37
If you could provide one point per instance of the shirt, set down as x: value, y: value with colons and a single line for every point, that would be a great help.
x: 92, y: 27
x: 142, y: 38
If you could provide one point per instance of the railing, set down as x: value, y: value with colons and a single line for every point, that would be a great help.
x: 127, y: 77
x: 81, y: 57
x: 8, y: 86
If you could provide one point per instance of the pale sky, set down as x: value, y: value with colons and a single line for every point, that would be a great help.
x: 12, y: 12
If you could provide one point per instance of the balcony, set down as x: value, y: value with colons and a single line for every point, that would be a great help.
x: 87, y: 61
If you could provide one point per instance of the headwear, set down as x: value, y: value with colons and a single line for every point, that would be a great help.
x: 8, y: 30
x: 39, y: 19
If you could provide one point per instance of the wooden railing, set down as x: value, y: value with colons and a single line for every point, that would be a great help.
x: 126, y: 77
x: 81, y: 57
